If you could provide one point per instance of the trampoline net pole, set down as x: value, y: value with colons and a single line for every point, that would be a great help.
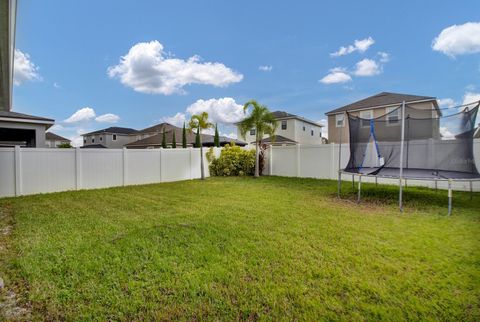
x: 400, y: 175
x: 359, y: 188
x: 340, y: 159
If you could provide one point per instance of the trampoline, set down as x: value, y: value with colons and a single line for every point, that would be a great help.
x: 409, y: 143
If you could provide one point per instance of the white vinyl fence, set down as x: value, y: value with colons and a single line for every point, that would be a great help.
x: 321, y: 162
x: 25, y: 171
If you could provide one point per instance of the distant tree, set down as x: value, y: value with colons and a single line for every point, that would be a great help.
x: 262, y: 121
x: 164, y: 139
x: 174, y: 140
x: 184, y: 138
x: 200, y: 122
x: 216, y: 138
x: 64, y: 146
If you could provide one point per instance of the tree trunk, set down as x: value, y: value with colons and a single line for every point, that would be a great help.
x: 202, y: 170
x: 257, y: 158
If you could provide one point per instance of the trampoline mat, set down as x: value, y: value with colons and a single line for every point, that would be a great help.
x: 415, y: 173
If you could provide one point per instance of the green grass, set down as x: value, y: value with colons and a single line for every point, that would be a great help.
x: 238, y: 248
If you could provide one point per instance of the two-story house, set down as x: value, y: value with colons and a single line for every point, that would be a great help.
x: 292, y: 129
x: 113, y: 138
x: 379, y: 105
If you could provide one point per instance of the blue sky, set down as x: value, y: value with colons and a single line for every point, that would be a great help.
x: 70, y: 53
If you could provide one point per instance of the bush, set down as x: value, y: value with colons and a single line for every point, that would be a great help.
x: 233, y: 161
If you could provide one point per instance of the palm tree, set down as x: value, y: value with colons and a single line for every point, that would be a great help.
x: 200, y: 122
x: 262, y: 121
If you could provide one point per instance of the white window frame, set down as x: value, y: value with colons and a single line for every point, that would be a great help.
x: 252, y: 131
x: 114, y: 137
x: 389, y: 117
x: 363, y: 115
x: 340, y: 118
x: 286, y: 126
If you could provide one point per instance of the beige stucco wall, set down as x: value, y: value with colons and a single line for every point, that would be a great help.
x: 422, y: 110
x: 294, y: 131
x: 106, y: 139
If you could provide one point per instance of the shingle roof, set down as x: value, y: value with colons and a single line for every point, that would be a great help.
x: 381, y: 99
x: 278, y: 139
x: 10, y: 114
x: 93, y: 146
x: 282, y: 114
x: 56, y: 137
x: 114, y: 130
x: 156, y: 140
x: 158, y: 128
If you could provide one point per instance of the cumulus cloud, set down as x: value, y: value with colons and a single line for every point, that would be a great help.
x: 458, y: 39
x: 177, y: 120
x: 336, y: 75
x: 446, y: 134
x: 24, y: 69
x: 147, y: 69
x: 82, y: 115
x: 383, y: 57
x: 367, y: 67
x: 222, y: 110
x: 266, y: 68
x: 446, y: 102
x: 107, y: 118
x: 359, y: 45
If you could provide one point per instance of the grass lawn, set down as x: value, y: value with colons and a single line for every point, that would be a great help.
x: 238, y: 248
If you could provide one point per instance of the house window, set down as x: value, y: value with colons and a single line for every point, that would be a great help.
x: 284, y: 125
x: 339, y: 118
x: 114, y: 137
x: 366, y: 116
x: 84, y: 141
x: 101, y: 139
x: 393, y: 115
x: 252, y: 132
x: 304, y: 128
x: 311, y: 132
x: 93, y: 140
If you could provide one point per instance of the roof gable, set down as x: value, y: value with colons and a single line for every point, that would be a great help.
x: 381, y: 99
x: 114, y: 130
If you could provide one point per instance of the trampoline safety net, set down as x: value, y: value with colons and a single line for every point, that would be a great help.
x: 435, y: 146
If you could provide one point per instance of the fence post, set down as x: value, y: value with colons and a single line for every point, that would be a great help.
x: 190, y: 149
x: 298, y: 160
x: 78, y: 169
x: 270, y: 160
x: 18, y: 171
x: 124, y: 157
x: 162, y: 164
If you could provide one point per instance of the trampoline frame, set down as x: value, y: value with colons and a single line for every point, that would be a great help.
x: 401, y: 179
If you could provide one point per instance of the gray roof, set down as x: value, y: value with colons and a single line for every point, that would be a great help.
x: 282, y: 115
x: 158, y: 128
x: 93, y: 146
x: 278, y: 140
x: 114, y: 130
x: 381, y: 99
x: 15, y: 115
x: 56, y: 137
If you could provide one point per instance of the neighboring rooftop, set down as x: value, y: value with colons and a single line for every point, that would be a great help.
x: 16, y: 115
x: 93, y: 146
x: 55, y: 137
x: 114, y: 130
x: 158, y: 128
x: 278, y: 140
x: 382, y: 99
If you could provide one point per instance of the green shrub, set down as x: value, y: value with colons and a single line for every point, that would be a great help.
x: 233, y: 161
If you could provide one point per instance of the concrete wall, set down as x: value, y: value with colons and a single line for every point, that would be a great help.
x: 30, y: 171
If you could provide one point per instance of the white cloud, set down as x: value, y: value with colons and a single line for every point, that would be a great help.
x: 107, y: 118
x: 336, y: 75
x: 56, y: 127
x: 359, y: 45
x: 147, y: 69
x: 458, y: 39
x: 177, y: 120
x: 446, y: 102
x: 231, y: 135
x: 446, y: 134
x: 367, y: 67
x: 56, y: 85
x: 265, y: 68
x: 222, y: 110
x: 384, y: 57
x: 470, y: 97
x: 82, y: 115
x: 24, y: 69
